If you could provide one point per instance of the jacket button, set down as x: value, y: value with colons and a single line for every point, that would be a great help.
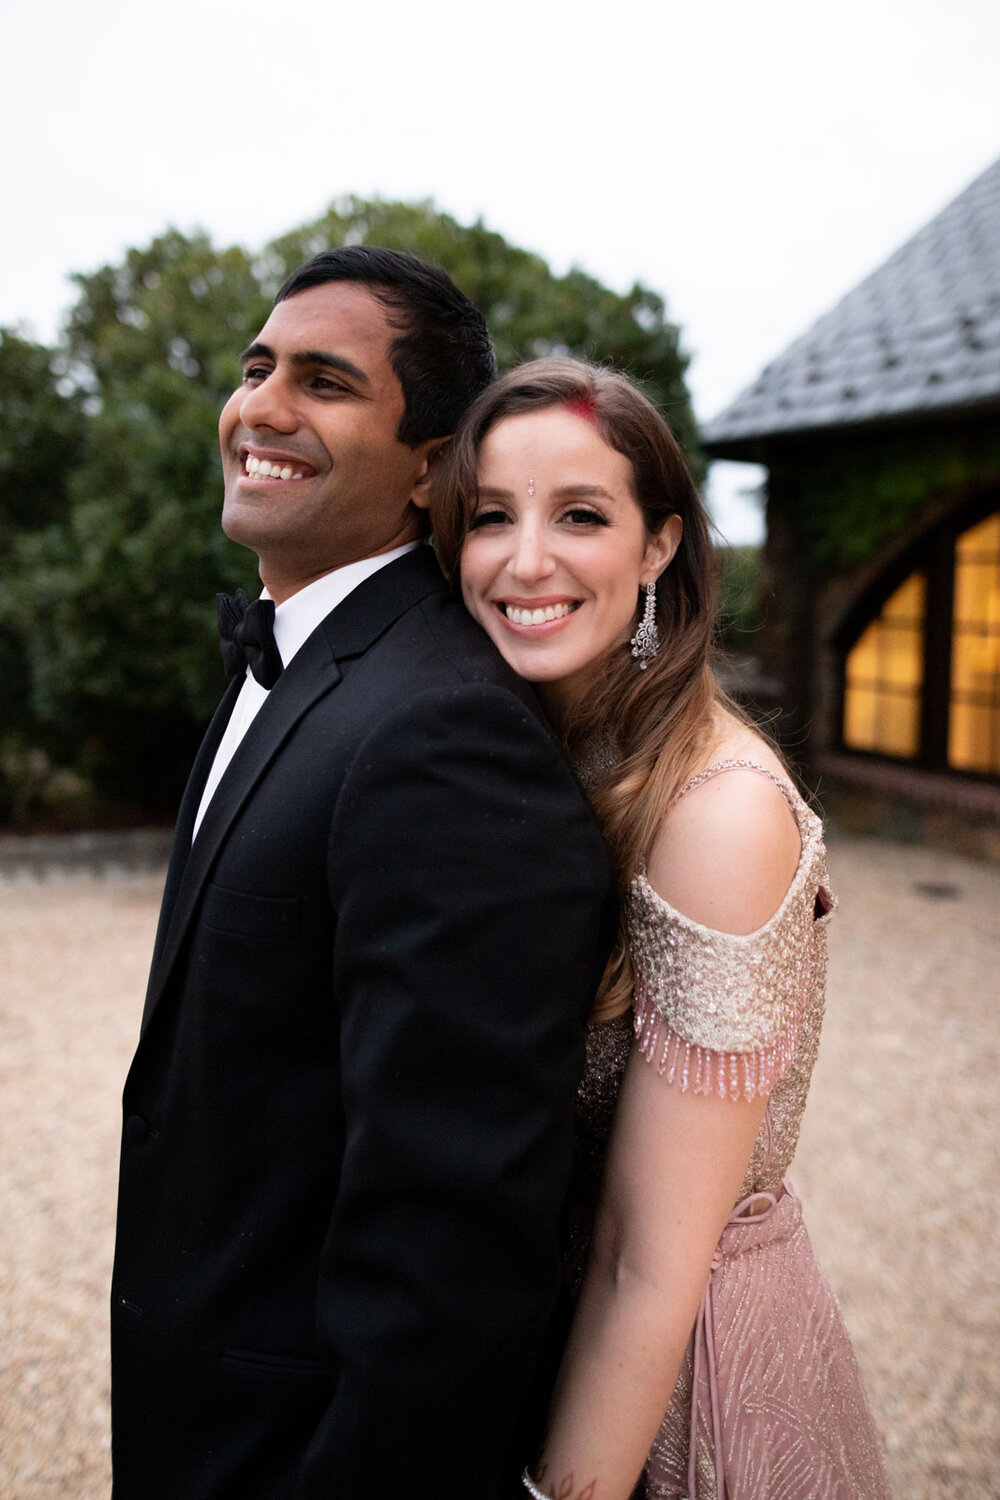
x: 136, y: 1130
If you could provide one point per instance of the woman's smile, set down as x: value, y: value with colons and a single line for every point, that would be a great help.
x: 532, y: 616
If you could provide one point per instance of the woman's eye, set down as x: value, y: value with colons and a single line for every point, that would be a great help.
x: 487, y: 518
x: 580, y: 516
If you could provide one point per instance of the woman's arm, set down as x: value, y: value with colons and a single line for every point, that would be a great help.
x: 673, y: 1174
x: 724, y: 856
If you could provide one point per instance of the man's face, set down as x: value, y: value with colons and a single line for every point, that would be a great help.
x: 315, y: 476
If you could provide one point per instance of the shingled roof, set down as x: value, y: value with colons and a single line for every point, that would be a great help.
x: 921, y: 335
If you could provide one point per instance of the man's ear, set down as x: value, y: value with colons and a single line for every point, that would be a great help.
x: 432, y: 450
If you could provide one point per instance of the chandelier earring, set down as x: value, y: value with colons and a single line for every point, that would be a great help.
x: 646, y: 641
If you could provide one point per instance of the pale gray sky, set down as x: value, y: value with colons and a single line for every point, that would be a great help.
x: 751, y: 161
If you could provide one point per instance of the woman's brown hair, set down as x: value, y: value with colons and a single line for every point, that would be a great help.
x: 659, y: 721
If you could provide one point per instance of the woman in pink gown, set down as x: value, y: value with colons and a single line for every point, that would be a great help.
x: 707, y: 1358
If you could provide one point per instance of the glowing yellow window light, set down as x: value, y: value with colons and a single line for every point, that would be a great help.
x: 885, y: 674
x: 974, y: 711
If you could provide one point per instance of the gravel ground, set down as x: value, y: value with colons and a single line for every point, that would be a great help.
x: 897, y: 1165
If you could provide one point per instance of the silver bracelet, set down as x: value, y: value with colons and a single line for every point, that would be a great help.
x: 532, y: 1488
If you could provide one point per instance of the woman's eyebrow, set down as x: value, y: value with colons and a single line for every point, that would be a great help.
x: 583, y: 492
x: 564, y: 492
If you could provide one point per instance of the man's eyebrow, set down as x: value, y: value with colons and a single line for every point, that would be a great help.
x: 256, y: 351
x: 309, y: 357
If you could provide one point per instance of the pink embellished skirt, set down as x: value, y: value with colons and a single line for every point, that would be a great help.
x: 769, y: 1404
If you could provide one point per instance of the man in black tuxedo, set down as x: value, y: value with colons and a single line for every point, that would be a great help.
x: 348, y: 1121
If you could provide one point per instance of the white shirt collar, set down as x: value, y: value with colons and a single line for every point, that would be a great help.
x: 297, y: 618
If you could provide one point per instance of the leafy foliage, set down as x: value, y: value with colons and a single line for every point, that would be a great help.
x: 863, y: 492
x: 107, y: 612
x: 113, y: 602
x: 41, y: 437
x: 739, y: 599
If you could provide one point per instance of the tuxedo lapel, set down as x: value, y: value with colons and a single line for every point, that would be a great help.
x: 312, y: 674
x: 347, y: 631
x: 190, y: 802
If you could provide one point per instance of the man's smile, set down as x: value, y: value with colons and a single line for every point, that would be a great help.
x: 270, y: 464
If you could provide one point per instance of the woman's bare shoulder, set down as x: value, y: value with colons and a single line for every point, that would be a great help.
x: 734, y: 740
x: 726, y: 852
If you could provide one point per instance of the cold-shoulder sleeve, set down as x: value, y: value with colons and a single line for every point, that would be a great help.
x: 718, y: 1012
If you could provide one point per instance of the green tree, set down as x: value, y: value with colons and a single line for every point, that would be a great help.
x: 115, y: 603
x: 42, y: 430
x: 41, y: 436
x: 739, y: 599
x: 113, y: 599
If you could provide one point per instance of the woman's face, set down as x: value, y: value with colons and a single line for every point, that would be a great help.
x: 557, y: 549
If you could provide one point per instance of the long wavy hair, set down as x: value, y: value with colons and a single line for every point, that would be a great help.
x: 657, y: 724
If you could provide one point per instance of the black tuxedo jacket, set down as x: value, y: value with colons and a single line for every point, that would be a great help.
x: 348, y: 1121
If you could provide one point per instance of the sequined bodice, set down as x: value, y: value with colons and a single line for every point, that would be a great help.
x: 718, y: 1012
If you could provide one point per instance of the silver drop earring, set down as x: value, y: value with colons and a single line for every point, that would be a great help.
x: 646, y: 641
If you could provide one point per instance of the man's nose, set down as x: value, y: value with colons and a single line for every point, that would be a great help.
x: 269, y: 404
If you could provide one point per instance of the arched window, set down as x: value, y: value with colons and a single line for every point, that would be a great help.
x: 885, y: 676
x: 974, y: 710
x: 921, y: 677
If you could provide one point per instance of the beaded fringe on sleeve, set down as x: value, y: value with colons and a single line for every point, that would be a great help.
x: 719, y: 1013
x: 703, y: 1070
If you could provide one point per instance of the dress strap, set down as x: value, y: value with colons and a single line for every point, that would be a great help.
x: 783, y: 784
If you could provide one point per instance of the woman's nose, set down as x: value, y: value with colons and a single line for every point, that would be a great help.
x: 531, y: 557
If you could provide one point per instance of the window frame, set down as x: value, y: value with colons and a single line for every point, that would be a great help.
x: 934, y: 555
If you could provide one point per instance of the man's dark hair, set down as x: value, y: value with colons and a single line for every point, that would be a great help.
x: 443, y: 356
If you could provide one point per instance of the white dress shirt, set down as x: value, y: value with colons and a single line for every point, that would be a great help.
x: 294, y: 622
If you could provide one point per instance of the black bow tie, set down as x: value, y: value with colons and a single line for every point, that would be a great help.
x: 246, y: 632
